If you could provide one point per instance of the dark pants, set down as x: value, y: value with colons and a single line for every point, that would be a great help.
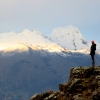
x: 92, y: 56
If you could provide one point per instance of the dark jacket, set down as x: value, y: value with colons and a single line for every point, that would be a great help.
x: 92, y: 49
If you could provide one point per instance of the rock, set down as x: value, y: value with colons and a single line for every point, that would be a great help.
x: 77, y: 97
x: 83, y: 84
x: 35, y: 97
x: 50, y: 97
x: 63, y: 87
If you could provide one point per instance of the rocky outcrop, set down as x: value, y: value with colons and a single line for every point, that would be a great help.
x: 83, y: 84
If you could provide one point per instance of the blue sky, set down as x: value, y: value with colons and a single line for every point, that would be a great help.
x: 45, y: 15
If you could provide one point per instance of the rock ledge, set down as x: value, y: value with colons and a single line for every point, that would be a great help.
x: 83, y: 84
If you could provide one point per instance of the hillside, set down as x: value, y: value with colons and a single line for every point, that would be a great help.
x: 26, y: 72
x: 83, y: 84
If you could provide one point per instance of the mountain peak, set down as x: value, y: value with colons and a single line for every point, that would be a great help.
x: 26, y: 31
x: 69, y: 37
x: 66, y: 30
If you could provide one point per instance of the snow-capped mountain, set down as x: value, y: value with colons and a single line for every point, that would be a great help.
x: 31, y: 62
x: 26, y: 37
x: 69, y: 37
x: 24, y: 71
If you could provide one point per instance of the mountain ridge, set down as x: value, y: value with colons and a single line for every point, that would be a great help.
x: 67, y: 37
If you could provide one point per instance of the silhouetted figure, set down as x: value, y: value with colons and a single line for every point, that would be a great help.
x: 92, y: 51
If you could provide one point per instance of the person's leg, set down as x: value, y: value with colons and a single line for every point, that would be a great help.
x: 92, y: 56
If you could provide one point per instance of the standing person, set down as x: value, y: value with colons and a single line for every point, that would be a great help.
x: 92, y: 51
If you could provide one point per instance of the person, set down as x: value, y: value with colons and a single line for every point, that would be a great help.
x: 92, y: 51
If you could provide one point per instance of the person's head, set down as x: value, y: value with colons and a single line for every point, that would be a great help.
x: 92, y: 41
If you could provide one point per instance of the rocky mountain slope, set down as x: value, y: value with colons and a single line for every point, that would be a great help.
x: 83, y: 84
